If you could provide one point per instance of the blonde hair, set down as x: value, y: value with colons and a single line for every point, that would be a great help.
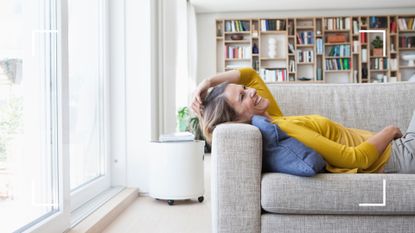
x: 216, y: 111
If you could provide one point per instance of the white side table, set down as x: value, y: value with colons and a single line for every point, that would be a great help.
x: 176, y: 170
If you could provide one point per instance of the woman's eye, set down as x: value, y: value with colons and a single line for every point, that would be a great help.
x: 242, y: 96
x: 244, y: 87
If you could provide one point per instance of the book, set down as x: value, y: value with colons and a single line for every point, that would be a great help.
x: 177, y: 137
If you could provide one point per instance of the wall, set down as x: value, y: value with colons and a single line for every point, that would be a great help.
x: 206, y: 64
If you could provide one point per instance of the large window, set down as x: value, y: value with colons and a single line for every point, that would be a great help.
x: 87, y: 97
x: 29, y: 188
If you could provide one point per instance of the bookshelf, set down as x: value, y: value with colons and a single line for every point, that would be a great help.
x: 318, y: 49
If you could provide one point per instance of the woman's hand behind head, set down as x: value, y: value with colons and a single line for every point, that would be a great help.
x: 198, y: 97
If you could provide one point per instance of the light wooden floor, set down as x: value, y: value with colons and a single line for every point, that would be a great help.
x: 149, y: 215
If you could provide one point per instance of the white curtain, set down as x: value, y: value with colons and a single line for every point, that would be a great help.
x: 192, y: 48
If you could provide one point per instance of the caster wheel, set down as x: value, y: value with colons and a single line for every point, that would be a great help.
x: 200, y: 199
x: 170, y: 202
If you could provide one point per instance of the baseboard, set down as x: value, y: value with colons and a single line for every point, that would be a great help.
x: 103, y: 216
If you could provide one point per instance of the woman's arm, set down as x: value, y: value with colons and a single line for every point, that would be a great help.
x: 382, y: 139
x: 232, y: 76
x: 336, y: 154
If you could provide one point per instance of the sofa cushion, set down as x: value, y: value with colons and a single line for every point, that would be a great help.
x: 282, y: 153
x: 338, y: 194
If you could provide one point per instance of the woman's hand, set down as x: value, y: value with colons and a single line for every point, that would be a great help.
x: 395, y: 131
x: 198, y: 96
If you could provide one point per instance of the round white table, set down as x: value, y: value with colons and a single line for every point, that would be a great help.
x: 176, y: 170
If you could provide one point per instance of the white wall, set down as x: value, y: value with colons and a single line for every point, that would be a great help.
x: 206, y: 64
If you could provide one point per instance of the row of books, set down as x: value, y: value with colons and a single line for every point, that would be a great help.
x: 363, y: 37
x: 237, y: 51
x: 379, y: 63
x: 406, y: 41
x: 273, y: 75
x: 272, y: 25
x: 338, y: 64
x: 378, y: 22
x: 406, y: 23
x: 339, y: 50
x: 305, y: 37
x: 236, y: 26
x: 305, y: 56
x: 339, y: 23
x: 356, y: 45
x: 392, y: 26
x: 319, y: 46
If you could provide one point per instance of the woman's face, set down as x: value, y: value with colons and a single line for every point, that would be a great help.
x: 245, y: 101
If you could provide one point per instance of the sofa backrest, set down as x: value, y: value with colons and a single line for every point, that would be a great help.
x: 365, y: 106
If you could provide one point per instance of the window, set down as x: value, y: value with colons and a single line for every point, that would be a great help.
x: 89, y: 173
x: 29, y: 190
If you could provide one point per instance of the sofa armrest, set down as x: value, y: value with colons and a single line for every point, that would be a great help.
x: 236, y: 178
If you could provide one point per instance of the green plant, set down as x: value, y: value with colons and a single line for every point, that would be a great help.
x: 183, y: 119
x: 377, y: 43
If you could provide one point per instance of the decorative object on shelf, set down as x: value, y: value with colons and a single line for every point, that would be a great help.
x: 219, y: 30
x: 272, y: 47
x: 255, y: 49
x: 364, y: 73
x: 393, y: 48
x: 410, y: 58
x: 377, y: 44
x: 364, y: 55
x: 336, y: 38
x: 237, y: 37
x: 254, y: 31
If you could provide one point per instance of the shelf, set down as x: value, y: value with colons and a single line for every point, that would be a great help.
x: 378, y: 70
x: 305, y: 63
x: 244, y: 32
x: 272, y: 58
x: 406, y: 31
x: 392, y: 34
x: 407, y: 49
x: 339, y: 30
x: 237, y: 59
x: 237, y: 41
x: 330, y: 57
x: 305, y: 46
x: 337, y: 71
x: 291, y: 54
x: 330, y: 44
x: 407, y: 67
x: 255, y: 54
x: 219, y: 38
x: 304, y: 27
x: 378, y: 57
x: 273, y: 32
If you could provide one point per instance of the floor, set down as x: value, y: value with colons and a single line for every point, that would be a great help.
x: 149, y: 215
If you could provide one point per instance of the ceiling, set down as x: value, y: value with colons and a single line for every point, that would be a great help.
x: 208, y: 6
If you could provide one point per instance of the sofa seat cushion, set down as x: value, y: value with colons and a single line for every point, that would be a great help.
x: 338, y: 194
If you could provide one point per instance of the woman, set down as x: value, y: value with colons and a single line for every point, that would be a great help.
x: 239, y: 94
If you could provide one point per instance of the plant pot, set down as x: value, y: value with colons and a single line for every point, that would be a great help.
x: 378, y: 52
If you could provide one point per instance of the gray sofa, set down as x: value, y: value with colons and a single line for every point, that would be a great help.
x: 245, y: 200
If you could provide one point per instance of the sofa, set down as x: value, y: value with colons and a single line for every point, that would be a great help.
x: 246, y: 200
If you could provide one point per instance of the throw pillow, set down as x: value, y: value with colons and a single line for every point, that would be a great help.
x: 282, y: 153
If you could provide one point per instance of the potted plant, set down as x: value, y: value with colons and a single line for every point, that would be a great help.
x: 377, y: 44
x: 186, y: 122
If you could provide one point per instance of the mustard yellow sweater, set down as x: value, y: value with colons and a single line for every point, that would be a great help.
x: 344, y: 149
